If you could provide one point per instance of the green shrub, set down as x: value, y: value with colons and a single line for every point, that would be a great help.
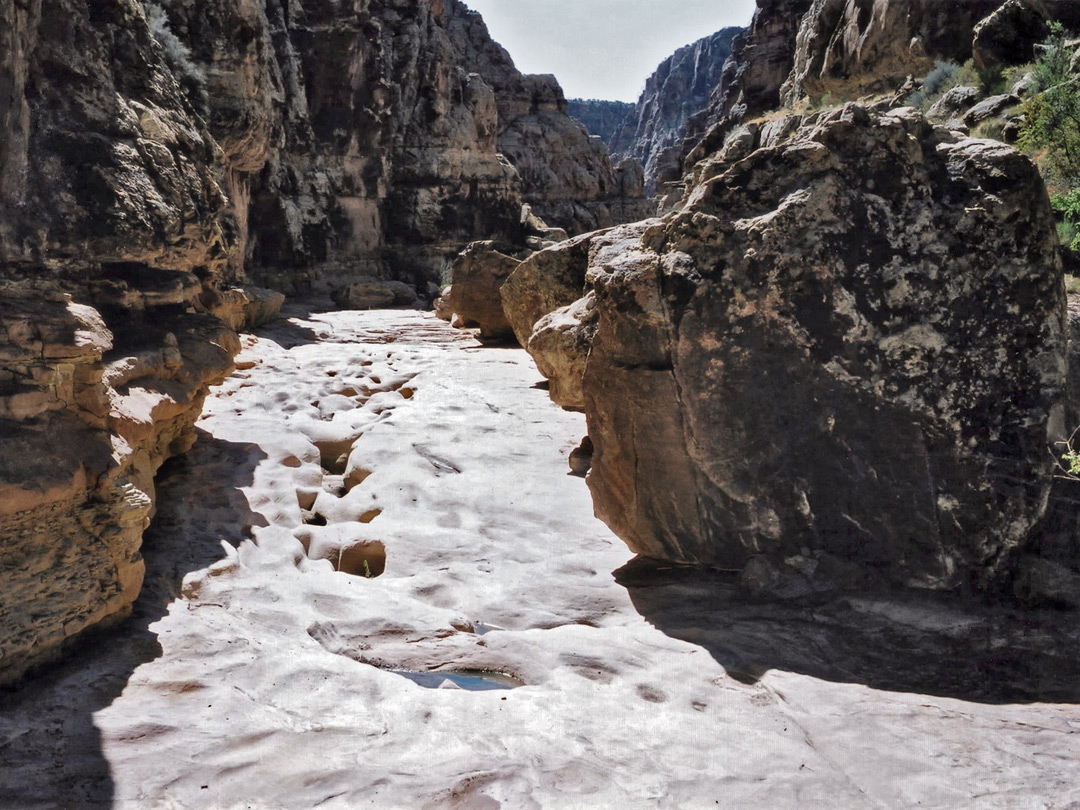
x: 943, y: 78
x: 1052, y: 116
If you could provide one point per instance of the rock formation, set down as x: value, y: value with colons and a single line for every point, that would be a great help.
x: 479, y: 273
x: 798, y: 50
x: 388, y: 175
x: 155, y: 158
x: 116, y: 242
x: 567, y: 175
x: 601, y: 118
x: 848, y: 348
x: 842, y: 49
x: 678, y: 89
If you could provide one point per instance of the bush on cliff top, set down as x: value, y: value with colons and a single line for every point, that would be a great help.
x: 1051, y: 129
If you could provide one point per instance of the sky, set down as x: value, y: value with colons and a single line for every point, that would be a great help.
x: 603, y: 49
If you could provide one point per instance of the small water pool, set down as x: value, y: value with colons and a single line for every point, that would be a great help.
x: 471, y: 680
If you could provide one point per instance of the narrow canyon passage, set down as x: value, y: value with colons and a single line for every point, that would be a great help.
x: 432, y: 473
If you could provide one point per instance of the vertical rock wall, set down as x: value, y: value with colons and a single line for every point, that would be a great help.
x: 679, y: 88
x: 115, y: 237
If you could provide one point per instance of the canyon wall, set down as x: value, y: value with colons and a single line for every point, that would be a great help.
x: 679, y: 88
x: 117, y: 240
x: 375, y: 141
x: 155, y: 159
x: 601, y: 118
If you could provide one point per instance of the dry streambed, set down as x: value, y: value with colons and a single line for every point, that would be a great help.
x: 373, y: 584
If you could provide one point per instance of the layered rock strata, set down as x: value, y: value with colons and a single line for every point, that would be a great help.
x: 846, y: 353
x: 567, y: 175
x: 116, y: 241
x: 434, y: 140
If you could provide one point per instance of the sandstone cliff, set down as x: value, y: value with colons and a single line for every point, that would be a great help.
x: 116, y: 239
x: 567, y: 176
x: 433, y: 141
x: 653, y: 132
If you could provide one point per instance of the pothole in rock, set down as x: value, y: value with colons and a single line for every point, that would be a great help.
x: 471, y: 680
x: 335, y: 485
x: 363, y: 558
x: 334, y: 454
x: 313, y: 518
x: 355, y: 477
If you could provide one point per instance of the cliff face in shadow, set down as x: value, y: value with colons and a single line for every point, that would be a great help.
x: 678, y: 89
x: 375, y: 141
x: 601, y: 118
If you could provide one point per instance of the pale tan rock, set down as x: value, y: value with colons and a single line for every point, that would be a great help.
x: 477, y: 276
x: 547, y: 280
x: 246, y: 307
x: 560, y: 346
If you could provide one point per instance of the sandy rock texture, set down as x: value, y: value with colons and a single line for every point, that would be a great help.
x: 846, y: 349
x: 257, y: 676
x: 116, y: 241
x: 653, y: 132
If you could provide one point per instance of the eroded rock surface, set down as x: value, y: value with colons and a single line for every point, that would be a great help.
x: 116, y: 238
x: 478, y: 275
x: 848, y: 348
x: 494, y: 562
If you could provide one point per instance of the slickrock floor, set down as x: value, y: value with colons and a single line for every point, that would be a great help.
x: 254, y: 675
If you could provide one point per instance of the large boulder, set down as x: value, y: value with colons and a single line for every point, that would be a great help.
x: 847, y: 349
x: 478, y: 274
x: 547, y: 280
x: 1010, y: 34
x: 560, y: 345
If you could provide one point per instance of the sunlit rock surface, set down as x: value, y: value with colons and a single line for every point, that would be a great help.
x: 845, y: 357
x: 257, y: 675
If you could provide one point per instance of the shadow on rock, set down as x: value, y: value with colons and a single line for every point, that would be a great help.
x: 903, y: 641
x: 51, y: 753
x: 286, y: 331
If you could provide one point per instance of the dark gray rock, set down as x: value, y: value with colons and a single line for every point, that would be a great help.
x: 953, y: 102
x: 989, y: 107
x: 678, y: 89
x: 786, y: 365
x: 601, y: 118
